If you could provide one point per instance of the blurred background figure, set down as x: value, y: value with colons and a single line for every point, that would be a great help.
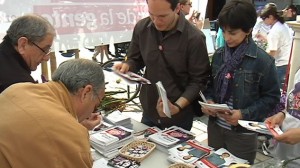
x: 185, y: 8
x: 290, y: 13
x: 102, y: 49
x: 279, y: 39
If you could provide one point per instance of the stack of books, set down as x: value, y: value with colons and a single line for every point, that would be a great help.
x: 118, y: 118
x: 219, y: 158
x: 170, y: 137
x: 188, y: 152
x: 109, y: 141
x: 102, y: 126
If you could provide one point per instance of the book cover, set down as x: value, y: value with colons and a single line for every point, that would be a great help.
x: 260, y: 127
x: 171, y: 136
x: 181, y: 134
x: 102, y: 126
x: 219, y: 158
x: 111, y: 135
x: 189, y: 151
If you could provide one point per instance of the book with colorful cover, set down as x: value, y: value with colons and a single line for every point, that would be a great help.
x: 102, y: 126
x: 220, y: 158
x: 260, y: 127
x: 189, y: 151
x: 171, y: 136
x: 144, y: 134
x: 111, y: 135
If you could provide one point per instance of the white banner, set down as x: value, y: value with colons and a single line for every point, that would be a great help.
x: 80, y: 23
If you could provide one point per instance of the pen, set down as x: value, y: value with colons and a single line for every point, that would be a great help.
x: 202, y: 96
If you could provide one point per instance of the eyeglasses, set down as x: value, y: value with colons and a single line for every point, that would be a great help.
x: 97, y: 108
x: 190, y: 4
x: 264, y: 18
x: 45, y: 52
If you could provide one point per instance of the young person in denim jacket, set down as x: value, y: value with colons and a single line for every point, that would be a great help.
x: 243, y: 77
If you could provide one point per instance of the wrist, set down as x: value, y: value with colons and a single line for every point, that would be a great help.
x: 282, y: 113
x: 178, y: 106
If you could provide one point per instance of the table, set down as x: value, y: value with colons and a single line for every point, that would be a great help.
x: 156, y: 158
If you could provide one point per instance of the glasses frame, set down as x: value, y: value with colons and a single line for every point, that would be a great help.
x: 46, y: 53
x: 97, y: 108
x: 190, y: 4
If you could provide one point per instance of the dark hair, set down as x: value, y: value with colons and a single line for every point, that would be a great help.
x: 238, y: 14
x: 293, y: 7
x: 172, y: 2
x: 183, y: 2
x: 271, y: 9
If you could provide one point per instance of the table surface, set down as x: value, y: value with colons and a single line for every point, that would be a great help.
x: 156, y: 158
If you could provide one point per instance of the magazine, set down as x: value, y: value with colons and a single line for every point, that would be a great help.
x: 111, y: 135
x: 260, y: 127
x: 144, y: 134
x: 219, y: 158
x: 171, y: 136
x: 163, y: 94
x: 102, y: 126
x: 132, y: 77
x: 189, y: 151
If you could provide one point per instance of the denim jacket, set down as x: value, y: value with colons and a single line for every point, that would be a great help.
x: 255, y: 84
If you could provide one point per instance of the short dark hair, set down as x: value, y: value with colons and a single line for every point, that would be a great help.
x: 172, y: 2
x: 238, y: 14
x: 271, y: 9
x: 293, y: 7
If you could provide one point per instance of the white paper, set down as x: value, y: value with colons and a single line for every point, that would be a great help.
x: 163, y: 94
x: 260, y: 127
x: 214, y: 106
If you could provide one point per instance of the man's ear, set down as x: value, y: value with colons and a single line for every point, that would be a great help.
x: 86, y: 92
x: 22, y: 44
x: 177, y: 9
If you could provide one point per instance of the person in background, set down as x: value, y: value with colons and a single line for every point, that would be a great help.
x: 46, y: 129
x: 279, y: 39
x: 173, y: 52
x: 243, y: 77
x: 27, y: 43
x: 288, y: 146
x: 185, y: 7
x: 290, y: 13
x: 220, y: 41
x: 102, y: 49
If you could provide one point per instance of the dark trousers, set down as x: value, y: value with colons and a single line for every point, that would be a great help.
x: 242, y: 145
x: 281, y: 73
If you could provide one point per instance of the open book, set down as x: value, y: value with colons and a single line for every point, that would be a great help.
x: 163, y: 94
x: 260, y: 127
x: 132, y: 77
